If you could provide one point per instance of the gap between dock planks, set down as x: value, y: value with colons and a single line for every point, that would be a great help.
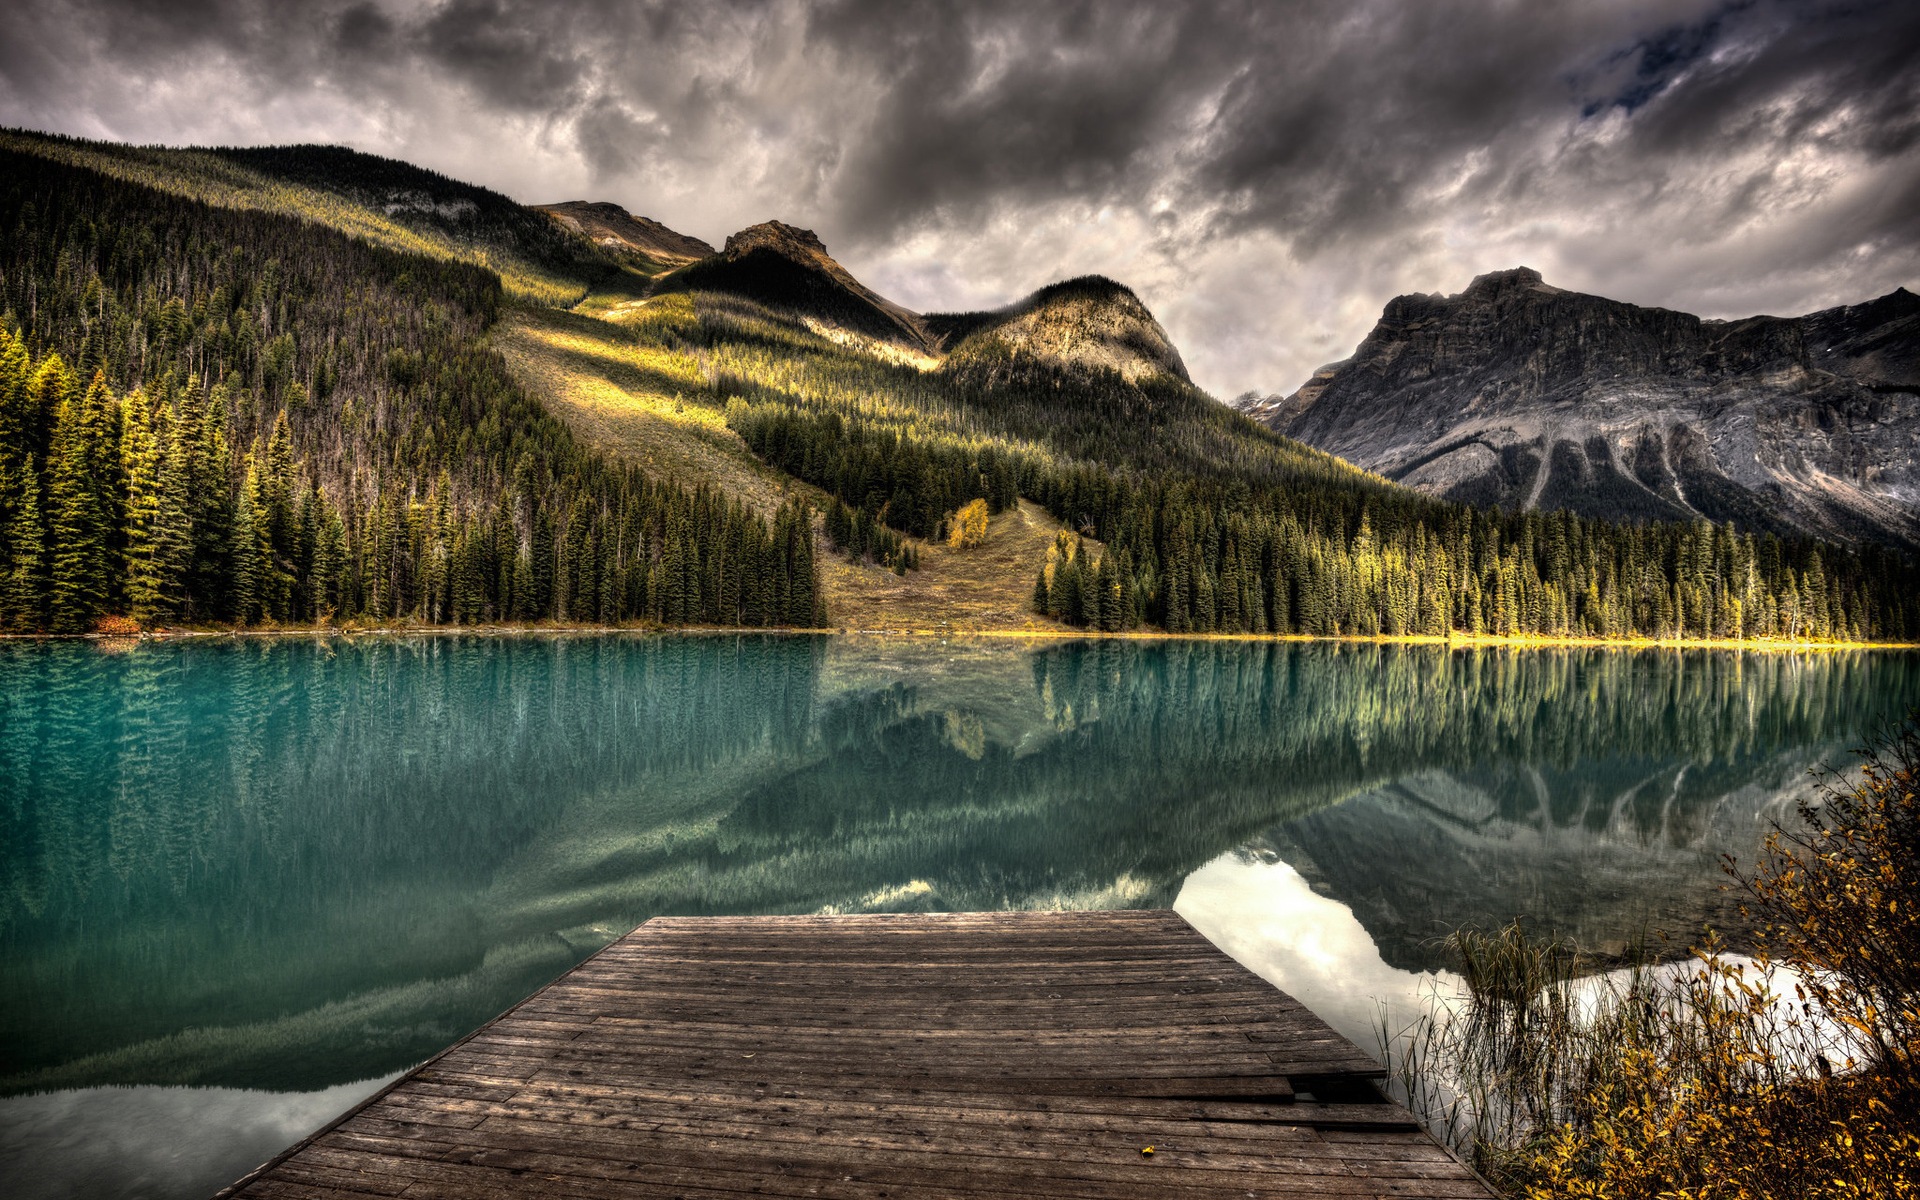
x: 890, y: 1057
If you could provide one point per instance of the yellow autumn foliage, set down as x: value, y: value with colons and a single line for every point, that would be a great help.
x: 968, y: 526
x: 1791, y: 1074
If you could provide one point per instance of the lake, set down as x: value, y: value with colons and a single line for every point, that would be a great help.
x: 245, y: 881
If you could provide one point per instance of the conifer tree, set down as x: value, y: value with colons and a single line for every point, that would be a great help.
x: 83, y: 490
x: 326, y: 588
x: 53, y: 384
x: 141, y: 459
x: 209, y: 507
x: 16, y: 443
x: 25, y: 587
x: 541, y: 566
x: 247, y: 553
x: 277, y: 484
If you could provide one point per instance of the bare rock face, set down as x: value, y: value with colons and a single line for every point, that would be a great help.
x: 1090, y: 323
x: 614, y: 228
x: 1518, y: 393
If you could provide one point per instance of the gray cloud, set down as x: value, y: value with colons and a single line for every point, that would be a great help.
x: 1266, y: 175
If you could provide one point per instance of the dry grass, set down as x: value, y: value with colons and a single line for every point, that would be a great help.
x: 1796, y: 1074
x: 621, y: 398
x: 980, y: 588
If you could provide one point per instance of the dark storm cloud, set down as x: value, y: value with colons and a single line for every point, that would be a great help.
x: 1265, y: 173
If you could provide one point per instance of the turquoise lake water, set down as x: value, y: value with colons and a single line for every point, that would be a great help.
x: 242, y: 882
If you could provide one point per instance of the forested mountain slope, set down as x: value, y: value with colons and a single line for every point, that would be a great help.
x: 340, y: 408
x: 383, y: 201
x: 214, y: 414
x: 1209, y: 522
x: 1518, y: 393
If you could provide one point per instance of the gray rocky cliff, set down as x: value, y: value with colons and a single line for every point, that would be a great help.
x: 1521, y: 394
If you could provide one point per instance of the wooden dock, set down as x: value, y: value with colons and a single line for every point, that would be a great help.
x: 980, y: 1055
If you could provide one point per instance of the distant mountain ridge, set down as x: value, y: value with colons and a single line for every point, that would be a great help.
x: 616, y: 230
x: 786, y: 267
x: 1517, y: 393
x: 1090, y: 323
x: 379, y: 200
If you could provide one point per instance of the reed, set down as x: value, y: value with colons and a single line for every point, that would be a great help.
x: 1788, y: 1073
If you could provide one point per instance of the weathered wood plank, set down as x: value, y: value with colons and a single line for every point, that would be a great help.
x: 984, y: 1055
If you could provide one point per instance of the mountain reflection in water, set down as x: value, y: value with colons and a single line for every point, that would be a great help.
x: 291, y: 864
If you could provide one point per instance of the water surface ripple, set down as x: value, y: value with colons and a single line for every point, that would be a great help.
x: 286, y: 868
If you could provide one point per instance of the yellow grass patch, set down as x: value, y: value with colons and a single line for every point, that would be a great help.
x: 984, y: 588
x: 630, y: 401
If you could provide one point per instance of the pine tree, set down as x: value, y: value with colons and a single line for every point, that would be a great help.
x: 1106, y: 586
x: 541, y: 567
x: 53, y: 384
x: 248, y: 554
x: 16, y: 444
x: 82, y: 491
x: 325, y: 586
x: 277, y: 486
x: 209, y: 508
x: 141, y: 456
x: 27, y: 583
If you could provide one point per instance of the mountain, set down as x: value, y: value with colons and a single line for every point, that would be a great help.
x: 641, y: 241
x: 484, y: 224
x: 787, y: 268
x: 228, y: 411
x: 1524, y: 395
x: 303, y: 385
x: 379, y: 200
x: 1085, y: 323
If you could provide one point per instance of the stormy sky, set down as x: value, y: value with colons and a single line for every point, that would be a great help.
x: 1265, y: 175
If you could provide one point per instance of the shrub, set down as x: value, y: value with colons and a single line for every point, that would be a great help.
x: 1788, y: 1074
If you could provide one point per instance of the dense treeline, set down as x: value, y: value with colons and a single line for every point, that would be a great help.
x: 1211, y: 528
x: 210, y: 415
x: 857, y: 533
x: 1306, y: 560
x: 893, y: 477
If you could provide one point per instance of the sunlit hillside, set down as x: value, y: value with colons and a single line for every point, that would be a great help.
x: 761, y: 382
x: 388, y: 203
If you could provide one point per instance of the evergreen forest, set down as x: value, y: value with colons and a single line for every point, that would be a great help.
x: 226, y: 403
x: 1212, y: 524
x: 215, y: 415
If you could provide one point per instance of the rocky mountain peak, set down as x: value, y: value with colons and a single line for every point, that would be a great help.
x: 787, y: 268
x: 1090, y: 322
x: 1517, y: 393
x: 613, y: 228
x: 779, y: 237
x: 1512, y: 279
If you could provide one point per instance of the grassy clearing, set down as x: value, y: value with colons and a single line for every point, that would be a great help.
x: 636, y: 402
x: 977, y: 589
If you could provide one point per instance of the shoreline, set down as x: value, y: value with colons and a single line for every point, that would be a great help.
x: 1449, y: 640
